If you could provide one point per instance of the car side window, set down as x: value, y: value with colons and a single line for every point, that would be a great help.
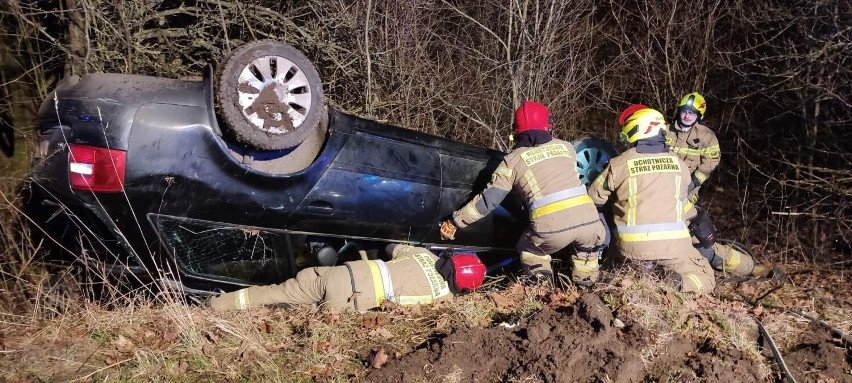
x: 226, y: 252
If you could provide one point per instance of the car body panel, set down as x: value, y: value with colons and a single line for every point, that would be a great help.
x: 370, y: 181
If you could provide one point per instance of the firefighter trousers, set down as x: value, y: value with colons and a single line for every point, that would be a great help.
x: 688, y: 268
x: 331, y: 286
x: 537, y: 247
x: 728, y: 259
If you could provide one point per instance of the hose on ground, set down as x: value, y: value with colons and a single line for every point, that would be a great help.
x: 845, y: 339
x: 775, y: 353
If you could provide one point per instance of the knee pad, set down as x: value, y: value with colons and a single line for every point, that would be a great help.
x: 702, y: 229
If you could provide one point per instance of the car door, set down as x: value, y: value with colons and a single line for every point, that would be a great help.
x: 378, y: 186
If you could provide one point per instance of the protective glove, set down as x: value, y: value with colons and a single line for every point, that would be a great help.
x: 692, y: 185
x: 448, y: 230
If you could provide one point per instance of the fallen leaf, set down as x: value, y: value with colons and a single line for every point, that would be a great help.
x: 378, y: 358
x: 373, y: 321
x: 321, y: 372
x: 149, y: 335
x: 263, y: 326
x: 130, y: 332
x: 123, y: 344
x: 276, y: 347
x: 443, y: 323
x: 331, y: 317
x: 110, y: 357
x: 183, y: 366
x: 169, y: 335
x: 416, y: 310
x: 319, y: 346
x: 500, y: 301
x: 247, y: 352
x: 211, y: 336
x: 207, y: 350
x: 368, y: 322
x: 382, y: 332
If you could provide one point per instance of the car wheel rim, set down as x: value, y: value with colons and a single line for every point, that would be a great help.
x: 592, y: 157
x: 274, y: 94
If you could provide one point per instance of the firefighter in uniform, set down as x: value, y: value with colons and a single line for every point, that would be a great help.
x: 543, y: 170
x: 649, y: 185
x: 413, y: 276
x: 698, y: 147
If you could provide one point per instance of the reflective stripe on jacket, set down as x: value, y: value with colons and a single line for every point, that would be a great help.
x: 546, y: 178
x: 698, y: 148
x: 650, y: 190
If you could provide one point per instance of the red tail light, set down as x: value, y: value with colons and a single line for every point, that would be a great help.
x: 96, y: 169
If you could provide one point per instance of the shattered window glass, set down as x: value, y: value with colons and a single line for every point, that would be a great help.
x: 229, y: 252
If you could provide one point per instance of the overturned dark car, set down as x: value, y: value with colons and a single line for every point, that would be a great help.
x: 152, y: 181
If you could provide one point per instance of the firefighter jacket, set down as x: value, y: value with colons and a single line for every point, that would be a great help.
x: 546, y: 178
x: 699, y: 149
x: 651, y: 190
x: 408, y: 278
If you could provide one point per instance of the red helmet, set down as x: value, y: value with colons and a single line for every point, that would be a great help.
x: 464, y: 272
x: 532, y: 116
x: 629, y: 111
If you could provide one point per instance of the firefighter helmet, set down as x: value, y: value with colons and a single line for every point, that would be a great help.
x: 693, y: 102
x: 532, y: 116
x: 641, y: 124
x: 630, y: 110
x: 464, y: 271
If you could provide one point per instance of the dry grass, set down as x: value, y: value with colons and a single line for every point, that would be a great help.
x: 640, y: 296
x: 144, y: 341
x: 49, y: 331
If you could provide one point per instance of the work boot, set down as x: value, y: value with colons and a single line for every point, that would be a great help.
x: 583, y: 283
x: 586, y: 270
x: 766, y: 271
x: 537, y: 269
x: 540, y: 278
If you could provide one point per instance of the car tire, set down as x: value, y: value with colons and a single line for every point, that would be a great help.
x: 269, y: 95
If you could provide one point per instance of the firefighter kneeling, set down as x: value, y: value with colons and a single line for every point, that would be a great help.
x: 413, y: 276
x: 649, y: 186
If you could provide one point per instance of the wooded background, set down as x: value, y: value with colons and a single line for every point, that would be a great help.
x: 776, y: 74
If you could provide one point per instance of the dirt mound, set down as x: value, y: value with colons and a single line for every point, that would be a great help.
x: 579, y: 343
x: 817, y: 357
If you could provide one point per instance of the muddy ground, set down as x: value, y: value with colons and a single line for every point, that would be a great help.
x: 584, y: 342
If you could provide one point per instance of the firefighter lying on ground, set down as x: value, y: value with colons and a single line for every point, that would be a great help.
x: 649, y: 187
x: 698, y: 147
x: 543, y: 170
x: 413, y: 276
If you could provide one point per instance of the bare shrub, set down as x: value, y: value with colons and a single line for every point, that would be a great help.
x: 790, y: 91
x: 776, y: 74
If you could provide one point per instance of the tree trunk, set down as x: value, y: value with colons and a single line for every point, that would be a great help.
x: 77, y: 38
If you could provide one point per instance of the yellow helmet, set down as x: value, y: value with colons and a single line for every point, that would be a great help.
x: 695, y: 102
x: 641, y: 124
